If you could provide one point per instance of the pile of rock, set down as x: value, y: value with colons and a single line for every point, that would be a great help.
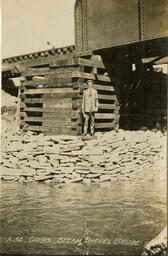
x: 66, y: 159
x: 157, y: 246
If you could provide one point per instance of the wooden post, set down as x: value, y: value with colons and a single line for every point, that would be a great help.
x: 22, y: 79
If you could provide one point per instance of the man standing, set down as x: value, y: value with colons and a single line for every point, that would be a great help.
x: 89, y: 107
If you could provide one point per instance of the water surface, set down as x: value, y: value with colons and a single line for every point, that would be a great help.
x: 115, y: 211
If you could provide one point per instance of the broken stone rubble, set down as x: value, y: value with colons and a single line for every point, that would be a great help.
x: 67, y: 159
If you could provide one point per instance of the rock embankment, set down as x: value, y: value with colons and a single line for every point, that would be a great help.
x: 67, y: 159
x: 8, y: 113
x: 157, y: 246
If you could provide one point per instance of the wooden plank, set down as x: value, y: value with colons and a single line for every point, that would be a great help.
x: 50, y: 81
x: 45, y: 61
x: 62, y: 61
x: 107, y: 106
x: 106, y: 97
x: 54, y: 106
x: 57, y: 130
x: 48, y: 90
x: 91, y: 76
x: 99, y: 77
x: 69, y: 132
x: 51, y: 98
x: 38, y: 60
x: 65, y: 70
x: 149, y: 59
x: 37, y: 72
x: 57, y: 114
x: 38, y: 69
x: 104, y: 125
x: 33, y: 100
x: 35, y: 128
x: 54, y: 113
x: 58, y: 119
x: 62, y: 76
x: 33, y: 109
x: 90, y: 63
x: 77, y: 100
x: 74, y: 114
x: 7, y: 67
x: 163, y: 60
x: 104, y: 116
x: 99, y: 87
x: 77, y: 74
x: 77, y: 61
x: 74, y: 125
x: 51, y: 123
x: 53, y: 101
x: 104, y: 78
x: 51, y: 133
x: 32, y: 119
x: 76, y: 105
x: 63, y: 96
x: 60, y: 110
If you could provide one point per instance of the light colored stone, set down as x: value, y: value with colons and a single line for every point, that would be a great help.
x: 10, y: 178
x: 97, y: 169
x: 57, y: 138
x: 66, y: 165
x: 8, y: 164
x: 69, y: 176
x: 28, y: 172
x: 48, y: 181
x: 55, y: 163
x: 43, y: 177
x: 96, y: 175
x: 33, y: 164
x: 83, y: 171
x: 83, y: 164
x: 105, y: 178
x: 38, y: 153
x: 67, y: 169
x: 76, y: 152
x: 53, y: 150
x: 77, y: 143
x: 10, y: 172
x: 66, y: 153
x: 96, y: 159
x: 93, y: 151
x: 76, y: 180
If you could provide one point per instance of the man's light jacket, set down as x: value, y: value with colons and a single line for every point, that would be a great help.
x: 90, y: 101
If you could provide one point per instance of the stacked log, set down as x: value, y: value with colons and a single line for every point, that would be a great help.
x: 51, y: 96
x: 64, y: 159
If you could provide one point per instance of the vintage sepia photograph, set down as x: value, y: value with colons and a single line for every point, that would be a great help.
x: 84, y: 127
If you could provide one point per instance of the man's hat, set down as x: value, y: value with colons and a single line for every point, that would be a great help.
x: 90, y: 80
